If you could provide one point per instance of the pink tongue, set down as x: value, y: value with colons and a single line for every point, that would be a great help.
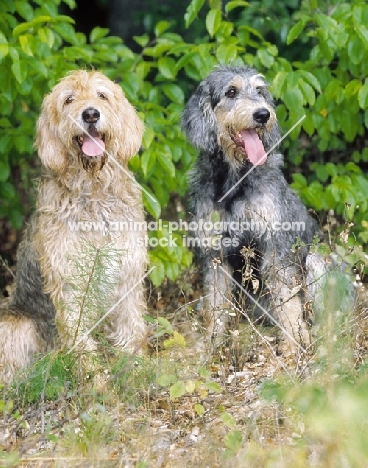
x: 92, y: 147
x: 254, y: 147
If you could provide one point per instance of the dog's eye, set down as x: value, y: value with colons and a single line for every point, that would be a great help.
x: 69, y: 99
x: 259, y: 90
x: 231, y: 92
x: 101, y: 95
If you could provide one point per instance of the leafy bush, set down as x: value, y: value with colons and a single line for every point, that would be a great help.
x: 38, y: 46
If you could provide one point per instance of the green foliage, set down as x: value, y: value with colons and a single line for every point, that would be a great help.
x: 96, y: 275
x: 49, y: 378
x: 200, y: 386
x: 95, y: 431
x: 329, y: 85
x: 132, y: 377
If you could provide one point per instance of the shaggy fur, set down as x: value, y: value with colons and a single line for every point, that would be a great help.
x: 231, y: 120
x: 82, y: 181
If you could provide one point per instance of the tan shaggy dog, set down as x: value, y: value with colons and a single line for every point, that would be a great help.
x: 86, y: 134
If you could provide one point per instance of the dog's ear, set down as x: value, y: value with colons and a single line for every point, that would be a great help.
x: 49, y: 146
x: 199, y: 121
x: 131, y: 128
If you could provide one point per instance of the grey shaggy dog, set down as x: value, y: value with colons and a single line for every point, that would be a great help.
x: 247, y: 219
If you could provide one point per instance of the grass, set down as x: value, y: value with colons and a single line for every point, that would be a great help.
x: 245, y: 405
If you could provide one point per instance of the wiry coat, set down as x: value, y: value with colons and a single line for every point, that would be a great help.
x: 229, y: 112
x: 80, y: 184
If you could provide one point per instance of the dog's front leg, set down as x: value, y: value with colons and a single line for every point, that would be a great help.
x: 285, y: 305
x: 217, y: 288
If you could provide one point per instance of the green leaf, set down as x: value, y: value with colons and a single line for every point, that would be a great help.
x: 226, y: 53
x: 16, y: 219
x: 24, y: 43
x: 235, y: 4
x: 328, y: 24
x: 215, y: 217
x: 203, y: 373
x: 228, y: 419
x: 312, y: 80
x: 19, y: 69
x: 308, y: 92
x: 47, y: 36
x: 356, y: 50
x: 213, y: 386
x: 25, y: 10
x: 148, y: 161
x: 71, y: 3
x: 213, y: 21
x: 199, y: 409
x: 166, y: 380
x: 21, y: 28
x: 167, y: 67
x: 177, y: 390
x: 322, y: 172
x: 266, y: 59
x: 295, y: 31
x: 142, y: 40
x: 278, y: 83
x: 4, y: 170
x: 157, y: 275
x: 363, y: 95
x: 61, y: 19
x: 226, y: 30
x: 165, y: 324
x: 233, y: 441
x: 352, y: 88
x: 166, y: 163
x: 149, y: 135
x: 150, y: 202
x: 176, y: 340
x: 348, y: 125
x: 97, y: 34
x: 299, y: 180
x: 323, y: 249
x: 161, y: 27
x: 308, y: 125
x: 7, y: 190
x: 192, y: 11
x: 362, y: 32
x: 293, y: 98
x: 174, y: 93
x: 190, y: 386
x: 4, y: 47
x: 67, y: 32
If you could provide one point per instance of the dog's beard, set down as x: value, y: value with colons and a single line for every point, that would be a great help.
x: 92, y: 150
x: 92, y: 165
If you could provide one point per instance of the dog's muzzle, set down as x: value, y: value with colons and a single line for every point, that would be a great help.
x: 91, y: 142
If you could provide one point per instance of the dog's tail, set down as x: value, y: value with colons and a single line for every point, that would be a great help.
x: 19, y: 341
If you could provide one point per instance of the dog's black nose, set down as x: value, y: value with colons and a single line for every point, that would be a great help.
x: 90, y: 115
x: 261, y: 115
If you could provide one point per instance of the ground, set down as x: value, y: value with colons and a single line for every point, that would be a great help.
x: 247, y: 404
